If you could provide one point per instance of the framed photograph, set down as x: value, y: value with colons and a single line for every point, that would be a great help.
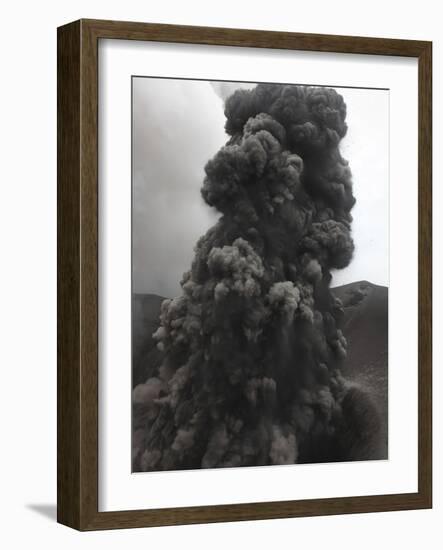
x: 244, y: 275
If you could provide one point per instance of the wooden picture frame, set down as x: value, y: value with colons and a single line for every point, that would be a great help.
x: 77, y: 456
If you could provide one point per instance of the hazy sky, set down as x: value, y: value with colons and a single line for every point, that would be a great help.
x: 179, y: 124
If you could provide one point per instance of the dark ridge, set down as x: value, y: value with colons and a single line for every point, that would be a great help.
x: 366, y: 329
x: 145, y: 321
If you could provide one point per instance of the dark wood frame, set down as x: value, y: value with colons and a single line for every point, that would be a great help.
x: 77, y: 456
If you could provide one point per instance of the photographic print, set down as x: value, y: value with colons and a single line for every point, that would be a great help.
x: 260, y: 274
x: 234, y: 218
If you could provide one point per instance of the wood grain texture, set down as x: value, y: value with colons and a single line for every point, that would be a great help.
x: 254, y: 38
x: 68, y: 275
x: 425, y: 274
x: 78, y: 271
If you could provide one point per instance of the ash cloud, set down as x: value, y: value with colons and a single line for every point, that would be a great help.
x: 171, y: 146
x: 225, y: 89
x: 252, y: 347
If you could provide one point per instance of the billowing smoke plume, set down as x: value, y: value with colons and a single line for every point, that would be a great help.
x: 252, y: 348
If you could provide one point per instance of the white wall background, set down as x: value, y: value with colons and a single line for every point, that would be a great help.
x: 28, y: 275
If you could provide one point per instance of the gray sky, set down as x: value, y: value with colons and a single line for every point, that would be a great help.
x: 178, y: 127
